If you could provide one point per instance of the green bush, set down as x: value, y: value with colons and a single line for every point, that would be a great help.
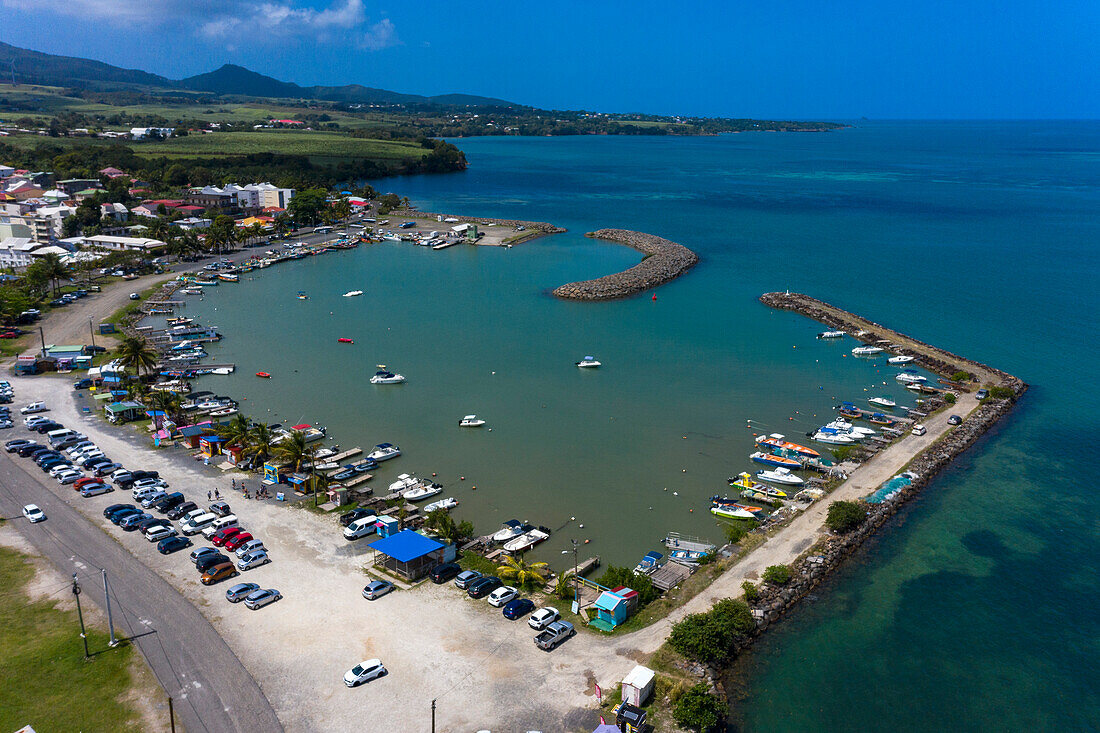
x: 751, y: 591
x: 960, y: 376
x: 777, y: 574
x: 616, y: 576
x: 950, y: 397
x: 844, y: 516
x: 843, y: 452
x: 697, y: 709
x: 1001, y: 393
x: 709, y: 637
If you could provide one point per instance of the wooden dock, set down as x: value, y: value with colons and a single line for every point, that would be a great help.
x: 677, y: 541
x: 360, y: 478
x: 344, y: 455
x: 670, y: 575
x: 445, y: 245
x: 588, y: 565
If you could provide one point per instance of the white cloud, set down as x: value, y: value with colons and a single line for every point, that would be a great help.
x: 381, y: 35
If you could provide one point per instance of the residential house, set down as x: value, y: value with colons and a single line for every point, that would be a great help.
x: 193, y: 222
x: 86, y: 194
x: 220, y: 201
x: 6, y: 171
x: 118, y: 212
x: 23, y: 190
x: 72, y: 185
x: 111, y: 172
x: 271, y: 195
x: 16, y: 251
x: 137, y: 244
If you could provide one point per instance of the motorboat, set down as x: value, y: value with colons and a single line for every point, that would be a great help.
x: 588, y: 362
x: 326, y: 453
x: 770, y: 459
x: 866, y: 350
x: 229, y: 278
x: 882, y: 402
x: 850, y: 411
x: 364, y: 465
x: 353, y: 293
x: 831, y: 334
x: 731, y: 511
x: 510, y: 530
x: 471, y: 421
x: 343, y: 474
x: 404, y: 482
x: 527, y: 540
x: 224, y: 412
x: 745, y: 481
x: 649, y: 564
x: 423, y: 491
x: 181, y: 321
x: 900, y: 359
x: 780, y: 476
x: 445, y: 504
x: 263, y: 375
x: 384, y: 452
x: 302, y: 295
x: 832, y: 437
x: 879, y: 419
x: 775, y: 440
x: 345, y: 341
x: 384, y: 377
x: 687, y: 557
x: 856, y: 431
x: 910, y: 378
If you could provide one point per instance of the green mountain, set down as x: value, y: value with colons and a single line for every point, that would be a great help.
x: 35, y: 67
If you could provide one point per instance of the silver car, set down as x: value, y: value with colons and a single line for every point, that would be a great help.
x: 260, y: 598
x: 376, y: 589
x: 240, y: 591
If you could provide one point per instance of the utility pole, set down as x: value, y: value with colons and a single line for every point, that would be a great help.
x: 42, y: 336
x: 110, y: 621
x: 171, y: 715
x: 80, y: 615
x: 576, y: 581
x: 91, y: 330
x: 433, y: 715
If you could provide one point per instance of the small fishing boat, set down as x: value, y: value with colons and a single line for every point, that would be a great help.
x: 649, y: 564
x: 687, y: 557
x: 263, y: 375
x: 910, y: 378
x: 852, y: 413
x: 732, y: 511
x: 384, y: 377
x: 775, y: 440
x: 900, y: 359
x: 831, y: 334
x: 181, y: 321
x: 527, y: 540
x: 384, y: 452
x: 364, y: 465
x: 445, y: 504
x: 423, y: 491
x: 471, y: 421
x: 353, y: 293
x: 780, y: 476
x: 202, y: 283
x: 879, y: 419
x: 302, y: 295
x: 227, y: 277
x: 404, y: 482
x: 345, y: 341
x: 866, y: 351
x: 588, y: 362
x: 770, y: 459
x: 224, y: 412
x: 343, y: 474
x: 882, y: 402
x: 744, y: 481
x: 510, y: 530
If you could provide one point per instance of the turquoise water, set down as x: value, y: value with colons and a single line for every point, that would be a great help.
x: 974, y: 610
x: 887, y: 489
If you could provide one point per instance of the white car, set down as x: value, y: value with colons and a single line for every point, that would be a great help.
x: 191, y: 515
x: 156, y: 483
x: 919, y: 430
x: 253, y: 559
x: 159, y: 532
x: 63, y: 468
x: 83, y: 458
x: 198, y: 523
x: 69, y: 477
x: 72, y: 450
x: 33, y: 513
x: 33, y: 408
x: 360, y: 528
x: 153, y: 498
x: 250, y: 546
x: 502, y: 595
x: 364, y: 672
x: 542, y: 618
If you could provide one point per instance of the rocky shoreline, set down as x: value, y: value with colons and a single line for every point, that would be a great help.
x: 541, y: 227
x: 664, y: 261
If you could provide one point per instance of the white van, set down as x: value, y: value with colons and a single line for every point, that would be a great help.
x: 197, y: 524
x: 361, y: 528
x: 58, y: 436
x: 229, y: 520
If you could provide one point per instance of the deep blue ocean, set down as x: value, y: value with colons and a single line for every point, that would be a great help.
x: 977, y: 608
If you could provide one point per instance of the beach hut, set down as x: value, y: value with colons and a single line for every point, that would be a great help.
x: 410, y: 554
x: 388, y: 526
x: 613, y: 607
x: 211, y: 445
x: 120, y: 412
x: 638, y: 685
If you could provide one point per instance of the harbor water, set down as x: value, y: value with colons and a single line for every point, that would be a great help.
x: 973, y: 610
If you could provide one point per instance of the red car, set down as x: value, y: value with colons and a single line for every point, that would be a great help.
x: 80, y: 483
x: 223, y: 535
x: 237, y: 540
x: 9, y: 335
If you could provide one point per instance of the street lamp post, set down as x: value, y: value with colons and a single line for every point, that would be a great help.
x: 80, y: 615
x: 576, y: 578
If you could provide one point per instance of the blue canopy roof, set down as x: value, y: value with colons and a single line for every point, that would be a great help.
x: 191, y: 430
x: 406, y: 545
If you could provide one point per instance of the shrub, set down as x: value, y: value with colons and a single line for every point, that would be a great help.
x: 616, y: 576
x: 1001, y: 393
x: 960, y: 376
x: 844, y: 516
x: 950, y: 397
x: 697, y: 709
x: 843, y: 452
x: 709, y: 637
x: 777, y: 574
x: 735, y: 615
x: 751, y: 591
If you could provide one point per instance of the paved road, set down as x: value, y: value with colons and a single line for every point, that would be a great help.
x: 211, y: 689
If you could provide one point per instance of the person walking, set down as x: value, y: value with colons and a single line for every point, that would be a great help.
x: 208, y: 496
x: 216, y: 494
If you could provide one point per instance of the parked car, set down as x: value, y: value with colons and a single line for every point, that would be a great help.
x: 954, y: 420
x: 250, y: 546
x: 115, y: 508
x: 13, y: 445
x: 130, y: 523
x: 151, y: 499
x: 503, y: 595
x: 919, y: 430
x: 219, y: 538
x: 145, y: 483
x: 207, y: 561
x: 364, y: 672
x: 218, y: 573
x: 240, y: 591
x: 69, y: 477
x: 159, y: 532
x: 466, y: 578
x: 32, y: 408
x: 181, y: 509
x: 484, y: 586
x: 238, y: 539
x: 34, y: 514
x: 107, y: 469
x: 260, y: 598
x: 141, y: 525
x: 95, y: 490
x: 982, y: 394
x: 253, y: 559
x: 444, y: 572
x: 82, y: 383
x: 376, y: 589
x: 199, y: 552
x: 360, y: 513
x: 167, y: 503
x: 117, y: 517
x: 554, y: 634
x: 173, y: 544
x: 360, y: 528
x: 542, y: 618
x: 519, y: 607
x: 24, y: 451
x: 220, y: 508
x: 197, y: 524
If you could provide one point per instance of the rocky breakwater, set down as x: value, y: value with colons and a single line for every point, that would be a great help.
x: 541, y: 227
x: 663, y: 261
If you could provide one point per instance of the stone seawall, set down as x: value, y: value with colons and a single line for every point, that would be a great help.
x: 664, y: 261
x: 539, y: 226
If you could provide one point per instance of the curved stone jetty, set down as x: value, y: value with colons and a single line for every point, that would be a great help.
x: 664, y: 261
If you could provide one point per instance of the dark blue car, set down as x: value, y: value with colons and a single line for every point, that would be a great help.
x: 171, y: 544
x: 517, y: 608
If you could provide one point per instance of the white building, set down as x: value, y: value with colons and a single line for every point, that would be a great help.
x: 193, y: 222
x: 16, y: 251
x: 118, y: 212
x: 140, y: 133
x: 271, y: 195
x: 135, y: 244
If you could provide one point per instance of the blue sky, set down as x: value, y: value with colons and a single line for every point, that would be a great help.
x: 781, y: 58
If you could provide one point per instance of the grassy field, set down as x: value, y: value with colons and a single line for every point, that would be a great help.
x: 48, y: 683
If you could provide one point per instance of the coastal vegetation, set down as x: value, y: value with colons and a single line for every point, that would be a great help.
x: 844, y: 516
x: 777, y: 574
x: 523, y: 573
x: 699, y: 710
x: 616, y: 576
x: 711, y: 637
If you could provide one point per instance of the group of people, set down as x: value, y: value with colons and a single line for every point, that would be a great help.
x: 260, y: 493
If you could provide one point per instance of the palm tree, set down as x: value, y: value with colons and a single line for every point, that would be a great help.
x: 281, y: 224
x: 138, y: 354
x: 137, y: 391
x: 168, y: 402
x: 293, y: 449
x: 237, y: 431
x: 342, y: 210
x: 563, y: 588
x: 55, y: 270
x: 260, y: 442
x: 523, y: 572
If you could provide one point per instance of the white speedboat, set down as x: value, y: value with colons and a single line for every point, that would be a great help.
x: 910, y: 378
x: 900, y: 359
x: 882, y: 402
x: 588, y: 362
x: 866, y: 351
x: 843, y: 426
x: 384, y: 452
x: 423, y: 491
x: 471, y: 421
x: 830, y: 334
x: 352, y: 293
x: 510, y: 530
x: 779, y: 476
x: 384, y: 377
x: 449, y: 503
x: 832, y: 437
x: 527, y: 540
x: 404, y: 482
